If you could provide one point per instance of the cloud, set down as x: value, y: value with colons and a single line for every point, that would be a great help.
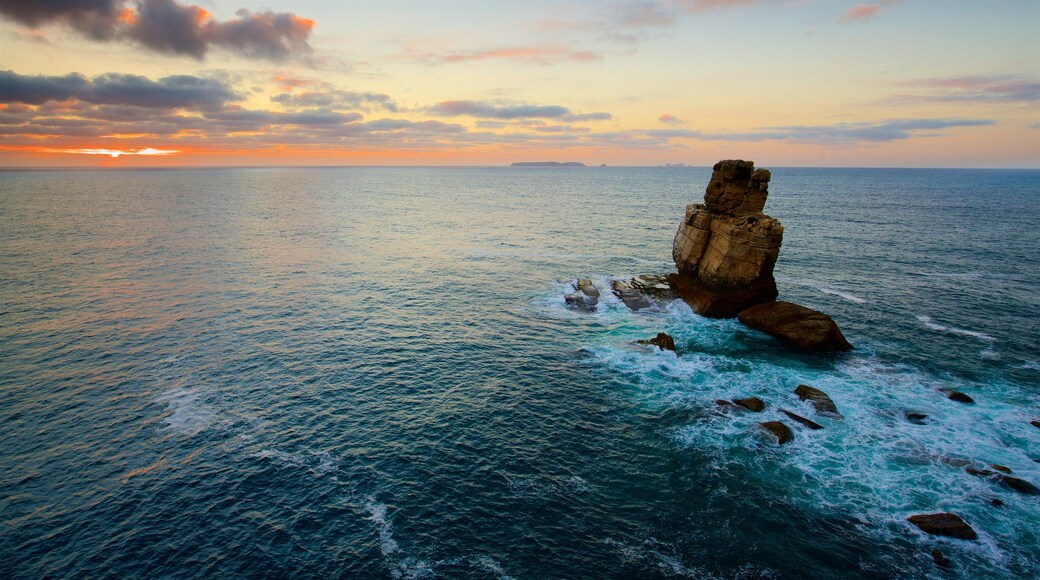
x: 147, y: 151
x: 981, y: 88
x: 178, y: 91
x: 880, y: 131
x: 582, y: 117
x: 541, y: 55
x: 166, y: 26
x: 704, y: 5
x: 669, y: 119
x: 865, y: 11
x: 489, y: 111
x: 336, y: 99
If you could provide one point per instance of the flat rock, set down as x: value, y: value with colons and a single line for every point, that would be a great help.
x: 819, y: 400
x: 807, y: 422
x: 803, y: 327
x: 628, y: 294
x: 957, y: 396
x: 751, y: 404
x: 777, y: 429
x: 944, y: 524
x: 661, y: 341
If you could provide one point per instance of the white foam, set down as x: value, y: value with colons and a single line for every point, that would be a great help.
x: 187, y: 413
x: 1030, y: 365
x: 873, y: 466
x: 401, y: 566
x: 825, y: 289
x: 318, y: 463
x: 927, y: 321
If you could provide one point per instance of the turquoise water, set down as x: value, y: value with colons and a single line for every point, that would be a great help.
x: 371, y: 373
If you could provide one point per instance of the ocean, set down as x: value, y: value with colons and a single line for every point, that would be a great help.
x: 371, y: 372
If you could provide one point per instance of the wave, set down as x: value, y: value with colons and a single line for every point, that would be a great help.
x: 400, y: 567
x: 824, y: 289
x: 927, y: 321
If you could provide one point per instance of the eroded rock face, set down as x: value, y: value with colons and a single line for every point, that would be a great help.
x: 725, y: 248
x: 803, y: 327
x: 584, y: 297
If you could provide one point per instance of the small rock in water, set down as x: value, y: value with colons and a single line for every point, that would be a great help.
x: 585, y: 295
x: 632, y: 298
x: 751, y: 404
x: 996, y: 502
x: 661, y: 341
x: 957, y: 396
x: 940, y: 559
x: 819, y: 400
x: 1000, y: 468
x: 777, y: 429
x: 726, y: 406
x: 1035, y: 424
x: 916, y: 418
x: 807, y: 422
x: 944, y: 524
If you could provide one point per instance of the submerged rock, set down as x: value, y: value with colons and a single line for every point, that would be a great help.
x: 1019, y: 485
x: 915, y: 417
x: 1000, y: 468
x: 1035, y: 424
x: 940, y: 559
x: 777, y: 429
x: 957, y: 396
x: 661, y: 341
x: 807, y: 422
x: 803, y: 327
x: 823, y: 404
x: 944, y: 524
x: 1015, y: 483
x: 753, y: 404
x: 725, y: 248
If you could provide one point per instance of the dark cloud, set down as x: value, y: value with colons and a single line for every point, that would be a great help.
x: 169, y: 27
x: 179, y: 91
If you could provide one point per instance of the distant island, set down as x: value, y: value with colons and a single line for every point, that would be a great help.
x: 547, y: 164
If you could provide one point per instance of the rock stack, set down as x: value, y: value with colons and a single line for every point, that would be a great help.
x: 726, y: 247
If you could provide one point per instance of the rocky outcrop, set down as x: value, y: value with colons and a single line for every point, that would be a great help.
x: 777, y: 429
x: 944, y: 524
x: 725, y: 248
x: 803, y: 327
x: 661, y: 341
x: 585, y: 295
x: 823, y: 404
x: 643, y: 291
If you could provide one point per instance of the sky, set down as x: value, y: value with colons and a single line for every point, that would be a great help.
x: 881, y: 83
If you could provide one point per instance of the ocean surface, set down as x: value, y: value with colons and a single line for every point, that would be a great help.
x: 371, y: 372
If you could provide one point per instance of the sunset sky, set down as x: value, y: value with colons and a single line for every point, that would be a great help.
x: 788, y: 83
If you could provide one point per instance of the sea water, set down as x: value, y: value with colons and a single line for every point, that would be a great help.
x: 371, y: 372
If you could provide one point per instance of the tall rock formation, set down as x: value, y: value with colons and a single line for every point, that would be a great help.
x: 726, y: 248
